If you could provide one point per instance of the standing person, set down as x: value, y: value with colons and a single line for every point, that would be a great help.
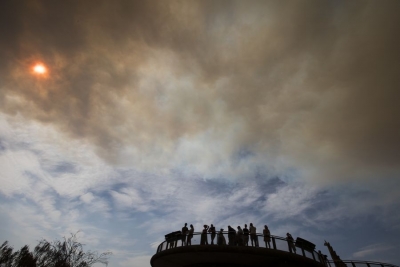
x: 184, y: 233
x: 212, y: 231
x: 290, y: 241
x: 221, y: 238
x: 231, y: 235
x: 253, y: 235
x: 245, y: 235
x: 203, y: 239
x: 267, y: 237
x: 190, y: 236
x: 322, y: 258
x: 239, y: 236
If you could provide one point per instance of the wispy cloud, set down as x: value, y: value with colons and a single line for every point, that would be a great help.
x: 373, y: 249
x: 159, y: 113
x: 137, y: 261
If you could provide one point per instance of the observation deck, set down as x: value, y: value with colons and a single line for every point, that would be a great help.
x: 281, y: 252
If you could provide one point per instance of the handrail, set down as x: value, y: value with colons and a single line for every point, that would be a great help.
x: 275, y: 243
x: 357, y: 263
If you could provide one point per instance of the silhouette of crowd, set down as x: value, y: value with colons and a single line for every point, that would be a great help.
x: 239, y: 237
x: 246, y: 236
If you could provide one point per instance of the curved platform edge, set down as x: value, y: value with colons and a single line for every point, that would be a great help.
x: 209, y: 255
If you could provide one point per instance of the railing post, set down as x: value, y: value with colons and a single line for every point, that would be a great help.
x: 302, y: 251
x: 352, y: 263
x: 312, y: 253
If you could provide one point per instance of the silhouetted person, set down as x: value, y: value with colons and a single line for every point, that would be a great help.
x: 267, y: 237
x: 245, y: 235
x: 321, y: 257
x: 203, y: 239
x: 212, y: 231
x: 325, y: 258
x: 190, y: 236
x: 184, y: 233
x: 231, y: 235
x: 221, y: 238
x: 171, y: 243
x: 253, y: 235
x: 290, y: 241
x: 239, y: 236
x: 172, y: 239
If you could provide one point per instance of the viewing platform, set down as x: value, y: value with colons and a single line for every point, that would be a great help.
x: 281, y: 252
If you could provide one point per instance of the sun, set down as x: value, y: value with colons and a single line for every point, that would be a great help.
x: 39, y: 68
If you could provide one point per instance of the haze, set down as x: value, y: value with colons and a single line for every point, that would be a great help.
x: 157, y: 113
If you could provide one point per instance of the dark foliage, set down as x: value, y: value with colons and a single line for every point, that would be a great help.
x: 66, y: 253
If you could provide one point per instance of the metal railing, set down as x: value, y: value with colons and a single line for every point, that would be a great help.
x: 351, y: 263
x: 276, y: 243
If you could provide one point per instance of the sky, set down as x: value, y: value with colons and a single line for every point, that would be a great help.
x: 152, y: 114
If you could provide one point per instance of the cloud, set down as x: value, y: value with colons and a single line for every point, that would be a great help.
x: 16, y: 179
x: 290, y: 201
x: 140, y: 261
x: 371, y: 250
x: 129, y: 198
x: 87, y: 198
x: 159, y: 113
x: 147, y: 83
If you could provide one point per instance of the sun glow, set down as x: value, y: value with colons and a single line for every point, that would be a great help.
x: 39, y: 69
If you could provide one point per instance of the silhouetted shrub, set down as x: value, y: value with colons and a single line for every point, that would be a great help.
x: 66, y: 253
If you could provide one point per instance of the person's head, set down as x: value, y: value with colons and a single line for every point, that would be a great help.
x: 265, y: 226
x: 245, y: 226
x: 238, y: 227
x: 205, y: 226
x: 212, y: 225
x: 185, y: 224
x: 221, y: 230
x: 191, y: 226
x: 251, y: 224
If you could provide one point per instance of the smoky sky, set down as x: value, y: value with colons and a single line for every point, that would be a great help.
x: 310, y: 85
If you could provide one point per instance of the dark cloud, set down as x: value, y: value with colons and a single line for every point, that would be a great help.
x: 314, y: 83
